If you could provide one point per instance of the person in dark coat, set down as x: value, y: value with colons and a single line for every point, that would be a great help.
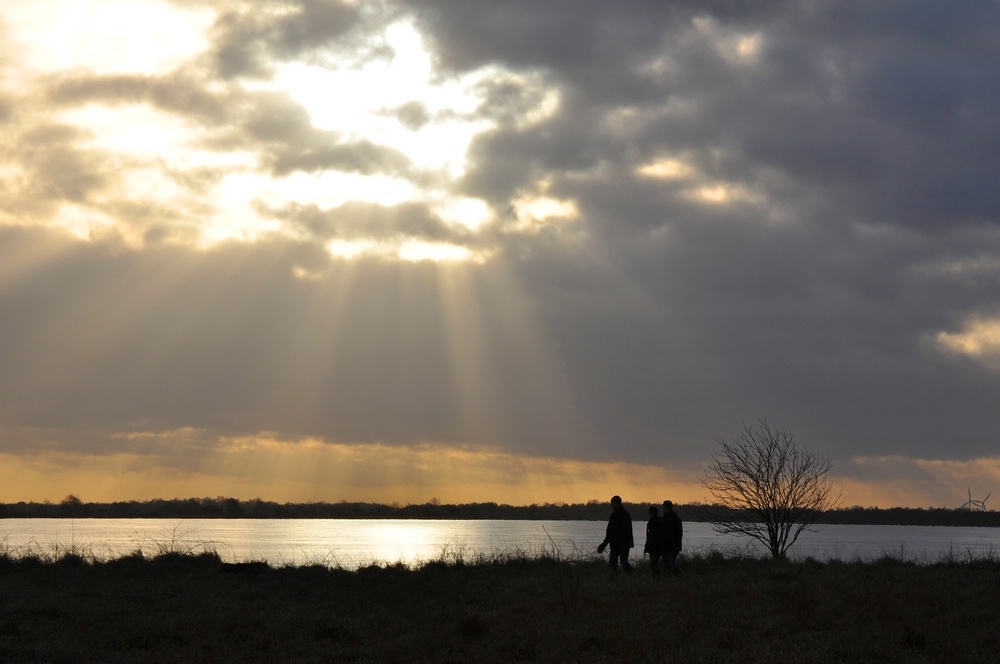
x: 618, y: 536
x: 672, y: 532
x: 654, y: 540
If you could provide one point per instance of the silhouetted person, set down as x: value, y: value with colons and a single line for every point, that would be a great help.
x: 618, y: 536
x: 672, y: 532
x: 654, y: 539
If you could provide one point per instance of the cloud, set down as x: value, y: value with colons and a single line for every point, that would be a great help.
x: 353, y: 221
x: 660, y: 221
x: 52, y: 167
x: 309, y: 470
x: 413, y: 115
x: 248, y: 43
x: 362, y: 157
x: 901, y: 480
x: 178, y: 92
x: 979, y: 338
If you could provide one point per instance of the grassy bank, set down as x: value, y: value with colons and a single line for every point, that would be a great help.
x: 194, y: 607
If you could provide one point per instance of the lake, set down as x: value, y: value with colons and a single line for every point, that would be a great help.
x: 350, y: 543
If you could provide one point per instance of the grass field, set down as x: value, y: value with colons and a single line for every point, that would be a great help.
x: 194, y: 608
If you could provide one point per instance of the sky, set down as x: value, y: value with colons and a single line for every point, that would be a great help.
x: 504, y: 250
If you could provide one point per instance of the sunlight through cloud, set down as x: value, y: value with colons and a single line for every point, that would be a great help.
x: 311, y: 469
x: 734, y: 47
x: 534, y: 211
x: 469, y: 212
x: 106, y: 36
x: 980, y: 337
x: 212, y: 186
x: 438, y: 252
x: 357, y: 102
x: 136, y: 130
x: 722, y: 193
x: 351, y: 248
x: 83, y: 222
x: 666, y: 169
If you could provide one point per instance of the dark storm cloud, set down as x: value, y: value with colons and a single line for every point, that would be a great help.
x: 247, y: 44
x: 712, y: 326
x: 506, y: 102
x: 864, y: 135
x: 883, y: 113
x: 585, y: 39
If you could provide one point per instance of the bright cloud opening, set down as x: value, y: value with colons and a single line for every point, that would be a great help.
x: 980, y: 337
x: 137, y: 130
x: 182, y: 173
x: 734, y: 47
x: 83, y: 222
x: 722, y: 193
x: 469, y: 212
x: 359, y: 102
x: 666, y: 169
x: 106, y: 36
x: 413, y: 251
x: 350, y: 248
x: 532, y: 211
x: 437, y: 252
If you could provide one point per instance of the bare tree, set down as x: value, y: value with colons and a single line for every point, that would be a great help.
x: 772, y: 488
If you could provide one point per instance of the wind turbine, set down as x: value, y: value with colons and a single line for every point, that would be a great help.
x: 974, y: 504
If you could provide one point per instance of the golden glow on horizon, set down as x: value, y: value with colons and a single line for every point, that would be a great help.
x: 907, y: 481
x: 310, y: 470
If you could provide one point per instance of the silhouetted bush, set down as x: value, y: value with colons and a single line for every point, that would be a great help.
x: 72, y: 560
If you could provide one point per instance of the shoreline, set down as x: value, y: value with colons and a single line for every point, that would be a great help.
x: 233, y: 508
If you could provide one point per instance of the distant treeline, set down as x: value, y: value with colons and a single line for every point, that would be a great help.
x: 595, y: 510
x: 910, y: 516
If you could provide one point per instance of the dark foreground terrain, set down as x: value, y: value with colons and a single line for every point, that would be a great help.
x: 193, y: 608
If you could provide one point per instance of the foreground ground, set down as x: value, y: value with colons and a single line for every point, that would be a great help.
x: 194, y: 608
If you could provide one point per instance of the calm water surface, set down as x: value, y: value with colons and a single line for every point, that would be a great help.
x: 351, y: 543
